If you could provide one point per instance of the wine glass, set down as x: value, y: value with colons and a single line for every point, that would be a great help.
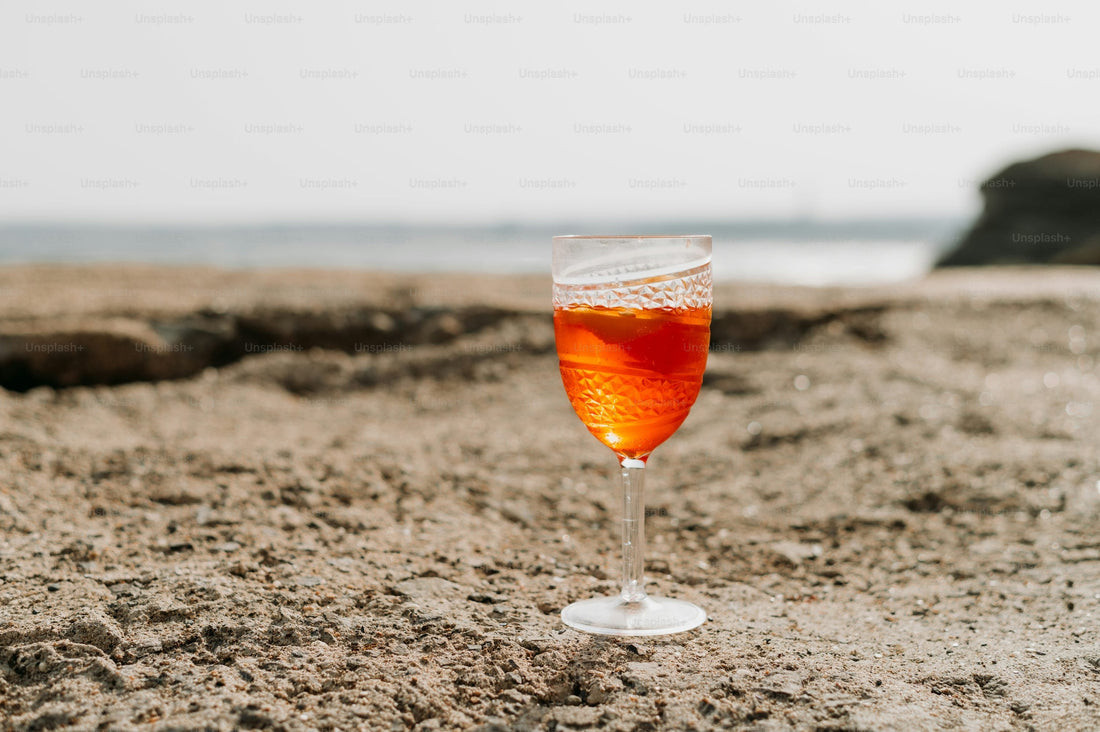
x: 632, y: 328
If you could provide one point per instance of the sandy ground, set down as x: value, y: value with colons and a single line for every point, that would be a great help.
x: 886, y: 500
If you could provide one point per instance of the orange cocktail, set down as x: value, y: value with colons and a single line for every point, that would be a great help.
x: 632, y: 325
x: 632, y: 374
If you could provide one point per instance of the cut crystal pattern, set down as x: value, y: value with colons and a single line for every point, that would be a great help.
x: 688, y: 290
x: 606, y: 399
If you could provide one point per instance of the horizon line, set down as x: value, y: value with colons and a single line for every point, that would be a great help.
x: 495, y: 224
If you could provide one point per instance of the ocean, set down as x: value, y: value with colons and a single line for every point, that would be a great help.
x: 863, y: 252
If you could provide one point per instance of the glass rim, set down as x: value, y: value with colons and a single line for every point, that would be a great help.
x: 633, y: 236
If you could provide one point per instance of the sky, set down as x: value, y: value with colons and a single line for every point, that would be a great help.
x: 421, y: 112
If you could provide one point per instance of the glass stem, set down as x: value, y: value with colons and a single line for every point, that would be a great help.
x: 633, y: 474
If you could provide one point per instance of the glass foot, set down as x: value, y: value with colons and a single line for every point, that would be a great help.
x: 649, y: 616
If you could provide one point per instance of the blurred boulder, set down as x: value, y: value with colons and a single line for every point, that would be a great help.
x: 1045, y: 210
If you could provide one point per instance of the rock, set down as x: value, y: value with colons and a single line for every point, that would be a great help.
x: 176, y: 323
x: 484, y: 598
x: 601, y: 688
x: 1043, y: 210
x: 102, y: 350
x: 124, y: 589
x: 973, y: 423
x: 536, y: 644
x: 429, y: 589
x: 243, y: 568
x: 781, y: 686
x: 95, y: 629
x: 793, y: 553
x: 494, y: 724
x: 574, y: 717
x: 641, y: 676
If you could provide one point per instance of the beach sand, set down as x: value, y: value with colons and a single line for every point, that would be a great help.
x: 359, y: 501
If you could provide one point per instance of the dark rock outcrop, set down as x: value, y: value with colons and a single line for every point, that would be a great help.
x: 65, y: 326
x: 62, y: 352
x: 1045, y: 210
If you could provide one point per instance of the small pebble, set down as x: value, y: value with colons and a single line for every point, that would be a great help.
x: 53, y: 587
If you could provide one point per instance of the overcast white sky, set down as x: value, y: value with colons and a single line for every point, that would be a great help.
x: 213, y: 112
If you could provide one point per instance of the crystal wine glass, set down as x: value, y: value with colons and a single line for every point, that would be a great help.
x: 632, y: 328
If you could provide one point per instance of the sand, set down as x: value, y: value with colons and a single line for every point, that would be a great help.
x: 886, y: 499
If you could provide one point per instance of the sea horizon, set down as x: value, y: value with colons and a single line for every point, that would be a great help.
x: 782, y: 251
